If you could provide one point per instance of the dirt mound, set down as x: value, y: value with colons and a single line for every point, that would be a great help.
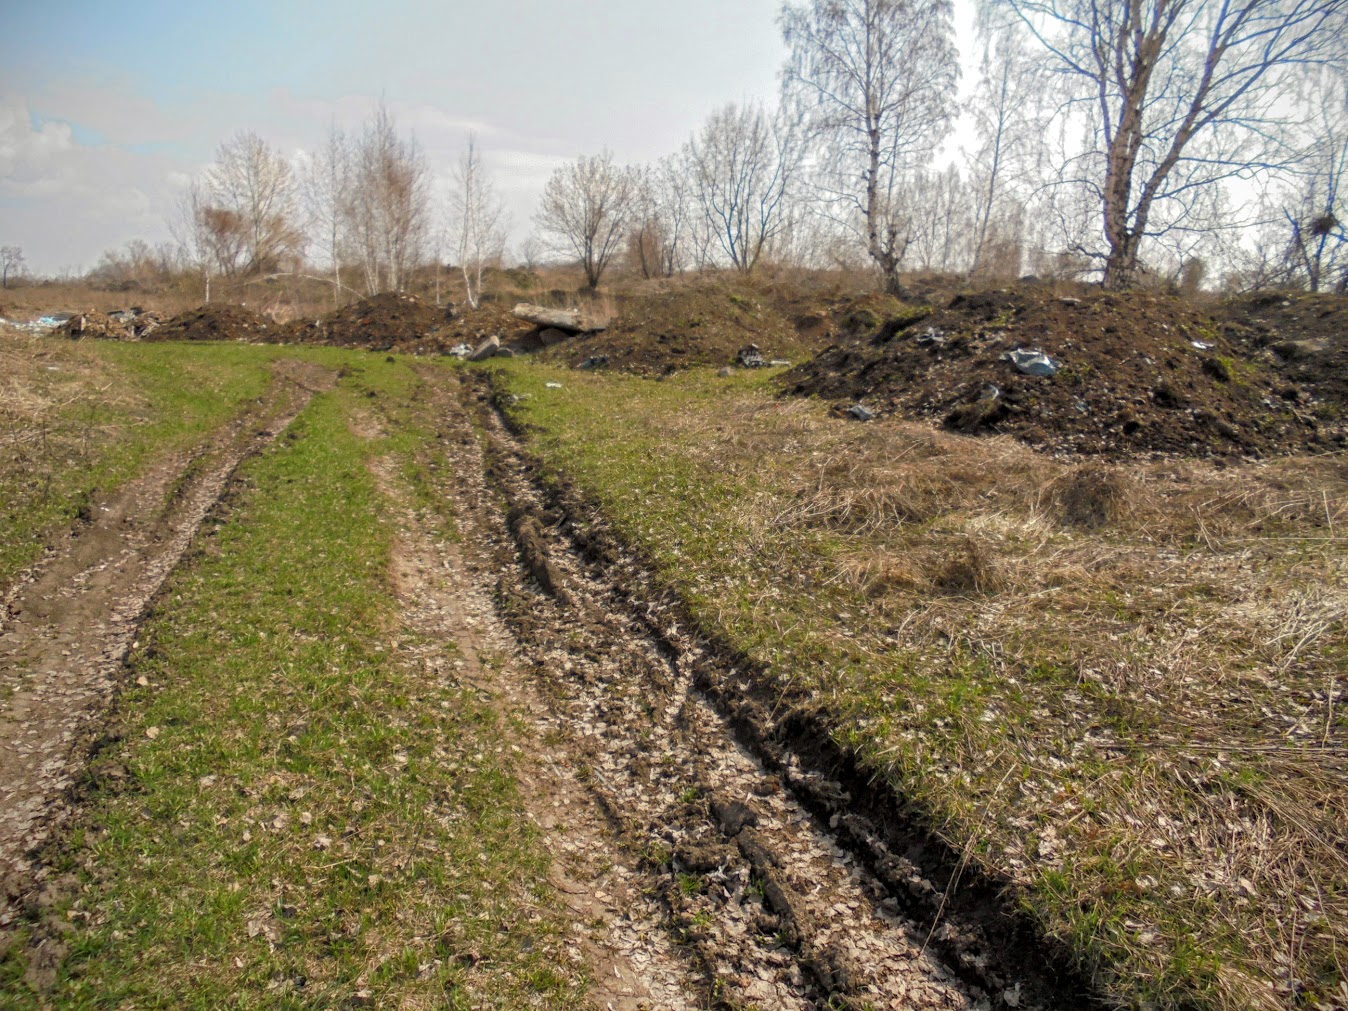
x: 1131, y: 374
x: 215, y: 321
x: 123, y: 325
x: 1304, y: 337
x: 705, y: 323
x: 388, y: 321
x: 490, y: 319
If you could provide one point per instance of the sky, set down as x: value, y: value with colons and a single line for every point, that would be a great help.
x: 108, y: 110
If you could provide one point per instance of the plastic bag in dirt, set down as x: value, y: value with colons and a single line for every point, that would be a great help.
x: 861, y: 413
x: 1033, y: 362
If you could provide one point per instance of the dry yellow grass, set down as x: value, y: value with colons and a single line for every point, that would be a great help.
x: 1120, y: 685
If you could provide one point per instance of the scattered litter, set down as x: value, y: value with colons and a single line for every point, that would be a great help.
x: 460, y: 351
x: 861, y: 412
x: 990, y: 392
x: 1069, y: 300
x: 750, y: 357
x: 594, y: 362
x: 931, y: 338
x: 775, y: 362
x: 41, y: 325
x: 553, y: 386
x: 1033, y: 362
x: 1201, y: 345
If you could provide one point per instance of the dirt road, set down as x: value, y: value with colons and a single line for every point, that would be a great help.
x: 68, y: 625
x: 777, y: 888
x: 708, y: 852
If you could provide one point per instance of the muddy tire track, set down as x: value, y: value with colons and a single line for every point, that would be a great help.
x: 773, y: 878
x: 68, y: 624
x: 616, y: 928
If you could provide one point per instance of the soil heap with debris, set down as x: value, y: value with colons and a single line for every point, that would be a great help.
x: 1133, y: 374
x: 123, y: 325
x: 215, y: 321
x: 389, y: 321
x: 1304, y: 337
x: 705, y: 323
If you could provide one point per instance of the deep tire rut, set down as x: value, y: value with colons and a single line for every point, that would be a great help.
x: 779, y: 887
x: 68, y: 625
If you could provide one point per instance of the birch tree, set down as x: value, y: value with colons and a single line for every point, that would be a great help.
x: 252, y: 188
x: 389, y: 218
x: 1316, y: 207
x: 877, y: 80
x: 1009, y: 114
x: 327, y: 200
x: 1179, y: 95
x: 477, y: 217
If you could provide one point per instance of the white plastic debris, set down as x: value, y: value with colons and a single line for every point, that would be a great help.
x: 1033, y: 362
x: 460, y: 351
x: 861, y: 412
x: 1201, y: 345
x: 553, y: 386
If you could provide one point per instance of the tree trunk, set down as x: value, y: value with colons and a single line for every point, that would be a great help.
x: 1121, y: 265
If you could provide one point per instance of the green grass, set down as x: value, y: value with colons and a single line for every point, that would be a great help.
x: 828, y: 553
x: 112, y: 409
x: 302, y: 809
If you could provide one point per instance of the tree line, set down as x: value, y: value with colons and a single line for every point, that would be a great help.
x: 1116, y: 139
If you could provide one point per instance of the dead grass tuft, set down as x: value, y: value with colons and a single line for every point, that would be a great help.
x: 968, y: 566
x: 1091, y: 496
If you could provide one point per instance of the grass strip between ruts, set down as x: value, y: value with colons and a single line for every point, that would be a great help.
x: 306, y: 809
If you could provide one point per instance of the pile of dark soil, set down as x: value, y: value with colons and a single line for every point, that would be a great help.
x: 1304, y: 337
x: 699, y: 323
x: 490, y: 319
x: 215, y: 321
x: 1139, y: 375
x: 388, y: 321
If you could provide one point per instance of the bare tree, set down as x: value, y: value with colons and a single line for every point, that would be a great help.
x: 326, y: 188
x: 1008, y: 112
x: 940, y: 221
x: 137, y: 264
x: 1180, y: 95
x: 211, y: 238
x: 478, y: 214
x: 389, y: 217
x: 587, y: 210
x: 254, y: 188
x: 743, y: 169
x: 1317, y: 251
x: 878, y: 78
x: 657, y: 245
x: 11, y: 263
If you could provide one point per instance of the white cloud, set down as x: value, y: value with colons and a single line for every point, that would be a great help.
x: 65, y: 202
